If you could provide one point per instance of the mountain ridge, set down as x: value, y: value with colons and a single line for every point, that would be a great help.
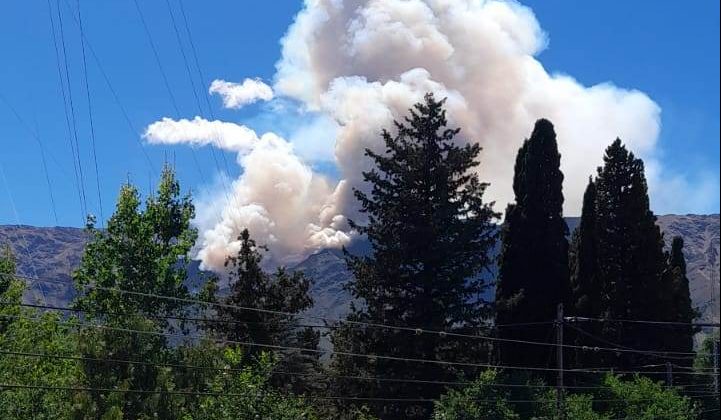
x: 53, y: 252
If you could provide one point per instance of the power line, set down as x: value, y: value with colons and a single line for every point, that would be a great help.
x: 157, y: 57
x: 282, y: 373
x: 185, y: 58
x: 72, y: 108
x: 114, y: 93
x: 36, y: 137
x: 203, y: 81
x: 321, y: 351
x: 195, y: 94
x: 65, y: 109
x: 291, y: 324
x: 195, y: 319
x: 90, y: 113
x: 165, y: 76
x: 371, y: 324
x: 263, y: 393
x: 634, y: 321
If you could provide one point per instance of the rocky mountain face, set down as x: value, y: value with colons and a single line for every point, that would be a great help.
x: 52, y: 253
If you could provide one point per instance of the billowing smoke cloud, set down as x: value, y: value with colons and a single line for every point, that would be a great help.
x: 237, y: 95
x: 362, y: 63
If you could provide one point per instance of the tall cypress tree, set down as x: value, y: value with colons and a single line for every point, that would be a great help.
x: 430, y: 232
x: 585, y: 284
x: 533, y: 277
x: 680, y: 307
x: 583, y: 259
x: 631, y: 260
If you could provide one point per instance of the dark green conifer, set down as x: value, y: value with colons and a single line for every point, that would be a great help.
x: 533, y: 273
x: 680, y: 307
x: 631, y: 260
x: 430, y: 232
x: 283, y: 291
x: 584, y: 259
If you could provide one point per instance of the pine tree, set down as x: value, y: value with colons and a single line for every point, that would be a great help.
x: 631, y: 260
x: 533, y: 273
x: 430, y: 233
x: 282, y: 291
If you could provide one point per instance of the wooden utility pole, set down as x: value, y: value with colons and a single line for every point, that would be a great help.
x: 715, y: 366
x: 559, y: 361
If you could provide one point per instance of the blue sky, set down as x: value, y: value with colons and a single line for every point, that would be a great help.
x: 669, y: 51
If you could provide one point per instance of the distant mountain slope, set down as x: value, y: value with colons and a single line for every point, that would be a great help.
x: 52, y: 253
x: 46, y: 253
x: 701, y: 248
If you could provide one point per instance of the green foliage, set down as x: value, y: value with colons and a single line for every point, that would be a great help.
x: 480, y: 400
x: 283, y: 291
x: 533, y: 267
x: 11, y: 289
x: 644, y: 399
x: 7, y: 267
x: 27, y: 331
x: 430, y: 232
x: 618, y: 257
x: 583, y: 259
x: 575, y: 407
x: 704, y: 364
x: 247, y: 394
x: 678, y: 302
x: 585, y: 284
x: 637, y: 398
x: 143, y: 250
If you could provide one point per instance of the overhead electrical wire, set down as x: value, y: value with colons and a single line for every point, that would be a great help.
x: 74, y: 132
x: 90, y: 113
x: 166, y: 82
x: 36, y: 136
x: 313, y: 374
x: 415, y: 330
x: 61, y: 80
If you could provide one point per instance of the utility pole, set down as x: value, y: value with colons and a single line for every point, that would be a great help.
x: 715, y: 366
x: 559, y: 361
x: 669, y: 375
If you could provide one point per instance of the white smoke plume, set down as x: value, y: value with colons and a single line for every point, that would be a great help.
x: 362, y: 63
x: 237, y: 95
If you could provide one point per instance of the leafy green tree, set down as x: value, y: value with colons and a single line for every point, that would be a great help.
x: 533, y: 270
x: 10, y: 287
x: 238, y: 388
x: 644, y: 399
x: 143, y: 251
x: 25, y: 335
x: 575, y: 407
x: 482, y: 399
x: 430, y: 231
x: 7, y: 268
x: 703, y: 382
x: 276, y: 295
